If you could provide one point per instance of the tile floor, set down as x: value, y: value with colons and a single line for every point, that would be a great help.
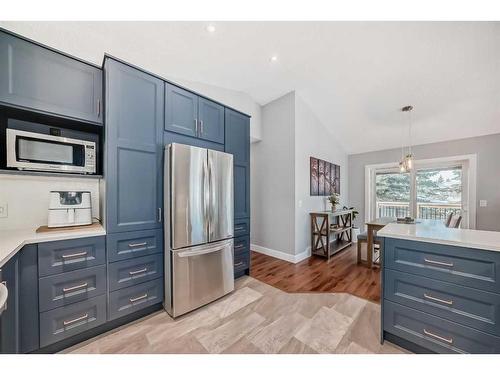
x: 255, y: 318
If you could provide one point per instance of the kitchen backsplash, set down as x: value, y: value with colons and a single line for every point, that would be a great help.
x: 27, y: 198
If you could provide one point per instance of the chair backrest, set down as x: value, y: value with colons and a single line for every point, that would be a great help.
x: 455, y: 221
x: 448, y: 219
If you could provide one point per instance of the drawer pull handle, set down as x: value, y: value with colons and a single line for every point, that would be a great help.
x: 238, y: 264
x: 449, y: 341
x: 66, y: 256
x: 67, y: 322
x: 138, y: 271
x: 138, y: 298
x: 450, y: 302
x: 84, y: 285
x: 238, y: 246
x: 239, y: 228
x: 438, y: 263
x: 137, y: 244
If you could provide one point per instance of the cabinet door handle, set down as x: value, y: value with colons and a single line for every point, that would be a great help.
x: 159, y: 214
x: 238, y: 264
x: 448, y: 340
x: 196, y: 127
x: 67, y: 322
x: 84, y: 285
x: 238, y: 246
x: 98, y: 107
x: 138, y: 298
x: 138, y: 271
x: 74, y: 255
x: 137, y: 244
x: 438, y: 263
x: 201, y: 126
x: 239, y: 228
x: 448, y: 302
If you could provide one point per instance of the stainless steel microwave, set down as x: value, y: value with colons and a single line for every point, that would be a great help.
x: 43, y: 152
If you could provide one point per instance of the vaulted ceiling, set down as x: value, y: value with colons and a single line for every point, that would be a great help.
x: 354, y: 75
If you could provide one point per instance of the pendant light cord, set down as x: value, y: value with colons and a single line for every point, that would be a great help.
x: 409, y: 133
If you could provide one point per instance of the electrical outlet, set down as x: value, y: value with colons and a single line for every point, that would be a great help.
x: 4, y: 212
x: 483, y: 203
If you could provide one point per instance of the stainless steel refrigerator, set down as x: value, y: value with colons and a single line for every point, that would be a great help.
x: 198, y: 227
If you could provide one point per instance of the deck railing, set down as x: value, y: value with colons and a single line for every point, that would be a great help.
x: 438, y: 211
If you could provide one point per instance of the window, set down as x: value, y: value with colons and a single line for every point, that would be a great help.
x: 432, y: 190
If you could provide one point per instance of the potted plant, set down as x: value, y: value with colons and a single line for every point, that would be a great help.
x: 334, y: 200
x: 355, y: 230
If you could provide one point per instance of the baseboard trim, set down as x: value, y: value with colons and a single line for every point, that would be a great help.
x: 281, y: 255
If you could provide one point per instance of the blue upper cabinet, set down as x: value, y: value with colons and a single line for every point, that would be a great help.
x: 181, y: 111
x: 189, y: 114
x: 237, y: 142
x: 133, y: 149
x: 39, y: 79
x: 211, y: 120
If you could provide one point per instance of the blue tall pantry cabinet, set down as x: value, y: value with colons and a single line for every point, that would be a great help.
x: 133, y: 169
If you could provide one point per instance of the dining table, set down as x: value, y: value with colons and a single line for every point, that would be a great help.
x: 371, y: 227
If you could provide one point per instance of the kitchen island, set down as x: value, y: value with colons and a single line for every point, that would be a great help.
x: 440, y: 288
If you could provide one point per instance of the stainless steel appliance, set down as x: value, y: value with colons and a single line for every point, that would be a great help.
x: 69, y: 208
x: 43, y: 152
x: 198, y: 227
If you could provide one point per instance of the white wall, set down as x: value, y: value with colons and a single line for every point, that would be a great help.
x: 280, y: 192
x: 272, y: 178
x: 27, y: 198
x: 312, y: 138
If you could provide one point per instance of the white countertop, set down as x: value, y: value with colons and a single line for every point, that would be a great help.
x: 434, y: 231
x: 11, y: 241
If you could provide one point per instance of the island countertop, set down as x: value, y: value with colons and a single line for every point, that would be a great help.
x: 11, y: 241
x: 434, y: 231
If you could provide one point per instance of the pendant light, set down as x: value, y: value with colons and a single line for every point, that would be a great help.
x: 406, y: 163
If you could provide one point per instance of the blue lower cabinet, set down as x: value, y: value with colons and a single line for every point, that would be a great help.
x: 69, y: 255
x: 128, y: 300
x: 471, y: 307
x: 479, y: 269
x: 70, y: 287
x: 67, y: 321
x: 241, y: 255
x: 134, y: 271
x: 241, y: 227
x: 436, y: 334
x: 127, y: 245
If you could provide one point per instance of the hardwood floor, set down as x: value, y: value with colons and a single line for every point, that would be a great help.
x: 315, y: 274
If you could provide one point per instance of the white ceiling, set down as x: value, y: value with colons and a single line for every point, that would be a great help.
x: 354, y: 75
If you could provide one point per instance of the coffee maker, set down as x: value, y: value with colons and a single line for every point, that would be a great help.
x: 69, y: 208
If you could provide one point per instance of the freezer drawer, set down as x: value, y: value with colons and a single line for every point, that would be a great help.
x: 201, y: 274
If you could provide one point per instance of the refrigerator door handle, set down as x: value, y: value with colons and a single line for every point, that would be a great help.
x: 206, y: 196
x: 192, y: 253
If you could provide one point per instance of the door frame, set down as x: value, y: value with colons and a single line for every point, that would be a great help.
x: 468, y: 182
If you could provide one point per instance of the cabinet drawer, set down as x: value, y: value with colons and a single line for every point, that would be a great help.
x: 134, y: 298
x: 68, y: 255
x: 134, y: 271
x: 436, y: 334
x: 67, y: 321
x: 129, y: 245
x: 70, y: 287
x: 241, y: 227
x: 474, y: 268
x: 241, y: 254
x: 241, y: 246
x: 467, y: 306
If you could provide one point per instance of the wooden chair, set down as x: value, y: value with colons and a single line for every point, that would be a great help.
x: 454, y: 221
x: 363, y: 238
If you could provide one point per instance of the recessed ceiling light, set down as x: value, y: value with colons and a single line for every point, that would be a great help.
x: 211, y: 28
x: 273, y: 58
